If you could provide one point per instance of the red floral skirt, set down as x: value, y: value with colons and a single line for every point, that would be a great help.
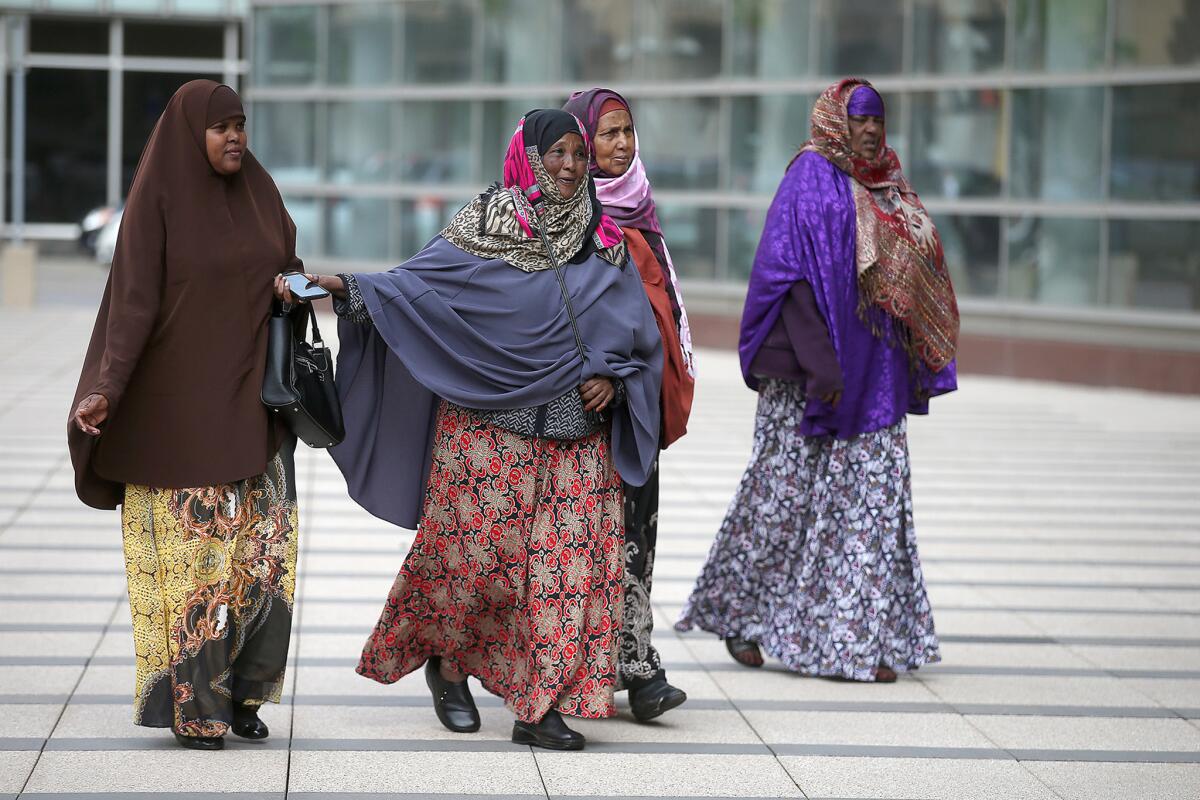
x: 515, y: 573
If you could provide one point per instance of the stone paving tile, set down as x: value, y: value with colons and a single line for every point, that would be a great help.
x: 446, y: 773
x: 622, y: 774
x: 1093, y: 781
x: 230, y: 770
x: 1076, y: 733
x: 929, y: 779
x: 14, y: 771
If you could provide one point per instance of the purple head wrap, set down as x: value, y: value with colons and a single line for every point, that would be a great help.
x: 865, y: 102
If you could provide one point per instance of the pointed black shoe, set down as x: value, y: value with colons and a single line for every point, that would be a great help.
x: 654, y: 699
x: 551, y: 733
x: 452, y: 701
x: 246, y: 723
x: 200, y: 742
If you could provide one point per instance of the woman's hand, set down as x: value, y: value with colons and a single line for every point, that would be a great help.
x: 91, y: 414
x: 330, y: 283
x: 597, y: 393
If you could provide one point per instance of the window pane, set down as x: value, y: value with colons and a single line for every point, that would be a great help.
x: 423, y: 219
x: 283, y: 137
x: 199, y: 6
x: 66, y: 143
x: 957, y: 147
x: 437, y: 40
x: 1054, y: 261
x: 499, y: 122
x: 362, y: 44
x: 745, y: 227
x: 518, y: 36
x: 1157, y: 33
x: 306, y: 213
x: 174, y: 39
x: 1154, y: 264
x: 766, y: 133
x: 286, y: 45
x: 67, y: 36
x: 434, y: 142
x: 597, y: 41
x: 972, y: 246
x: 1155, y: 150
x: 691, y: 233
x: 1056, y: 150
x: 357, y: 228
x: 359, y: 142
x: 770, y: 37
x: 137, y: 6
x: 958, y: 35
x: 860, y: 36
x: 673, y: 161
x: 1059, y: 35
x: 681, y: 39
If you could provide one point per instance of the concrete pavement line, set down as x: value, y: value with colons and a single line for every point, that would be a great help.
x: 14, y: 743
x: 698, y: 704
x: 892, y: 751
x: 1112, y: 756
x: 166, y: 742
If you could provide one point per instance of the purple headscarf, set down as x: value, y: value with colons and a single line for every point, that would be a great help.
x: 865, y: 102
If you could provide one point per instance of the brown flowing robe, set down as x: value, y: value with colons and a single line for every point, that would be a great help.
x: 179, y: 345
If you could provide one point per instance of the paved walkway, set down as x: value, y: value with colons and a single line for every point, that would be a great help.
x: 1058, y: 527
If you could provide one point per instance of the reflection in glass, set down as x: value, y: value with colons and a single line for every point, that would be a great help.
x: 745, y: 227
x: 283, y: 137
x: 362, y: 43
x: 691, y: 233
x: 59, y: 35
x: 860, y: 36
x: 437, y: 40
x: 1154, y: 264
x: 770, y: 38
x: 359, y: 143
x: 957, y: 147
x: 972, y: 247
x: 958, y: 35
x: 66, y: 143
x: 1058, y: 35
x: 597, y: 40
x: 499, y: 122
x: 766, y: 133
x: 518, y: 42
x: 357, y: 228
x: 680, y: 38
x: 306, y: 213
x: 1157, y: 33
x: 1056, y: 143
x: 672, y: 160
x: 422, y: 219
x: 433, y: 142
x: 1155, y: 149
x: 1054, y: 261
x: 285, y: 49
x: 199, y: 6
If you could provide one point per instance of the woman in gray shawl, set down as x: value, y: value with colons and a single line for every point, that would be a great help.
x: 498, y: 422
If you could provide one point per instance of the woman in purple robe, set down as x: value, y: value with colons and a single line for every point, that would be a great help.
x: 850, y: 324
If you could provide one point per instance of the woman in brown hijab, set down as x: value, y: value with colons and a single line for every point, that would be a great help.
x: 168, y: 424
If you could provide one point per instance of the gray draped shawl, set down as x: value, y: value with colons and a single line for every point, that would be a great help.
x: 483, y: 334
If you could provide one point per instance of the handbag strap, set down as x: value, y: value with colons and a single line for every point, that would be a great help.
x: 562, y: 285
x: 281, y: 309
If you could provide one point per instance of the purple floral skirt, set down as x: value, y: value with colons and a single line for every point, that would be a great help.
x: 816, y: 559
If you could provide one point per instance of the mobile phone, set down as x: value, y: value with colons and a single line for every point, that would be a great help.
x: 302, y: 288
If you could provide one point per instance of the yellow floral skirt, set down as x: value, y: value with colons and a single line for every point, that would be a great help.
x: 212, y: 576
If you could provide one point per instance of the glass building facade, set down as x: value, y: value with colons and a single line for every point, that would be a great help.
x: 1053, y: 140
x: 86, y: 80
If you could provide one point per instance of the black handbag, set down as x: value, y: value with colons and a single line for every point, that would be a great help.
x: 298, y: 383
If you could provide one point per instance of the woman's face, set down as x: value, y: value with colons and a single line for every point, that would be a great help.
x: 226, y: 143
x: 866, y: 134
x: 567, y: 162
x: 614, y: 142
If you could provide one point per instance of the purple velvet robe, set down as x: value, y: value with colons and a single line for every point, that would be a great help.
x: 810, y: 235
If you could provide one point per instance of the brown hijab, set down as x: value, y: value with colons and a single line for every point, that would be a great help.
x: 179, y: 345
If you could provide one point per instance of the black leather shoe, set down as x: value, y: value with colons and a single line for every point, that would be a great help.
x: 200, y: 742
x: 654, y: 699
x: 452, y: 701
x: 551, y: 733
x: 246, y: 723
